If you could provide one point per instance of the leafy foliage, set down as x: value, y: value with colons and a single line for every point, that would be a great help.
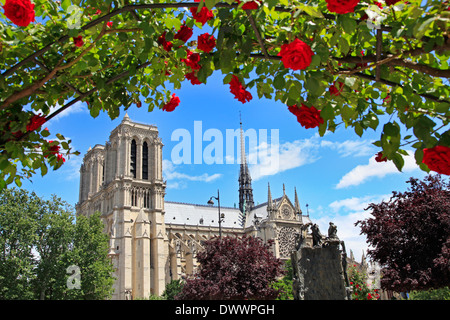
x: 389, y: 60
x: 284, y: 285
x: 234, y: 268
x: 410, y: 235
x: 39, y: 241
x: 173, y: 288
x: 432, y: 294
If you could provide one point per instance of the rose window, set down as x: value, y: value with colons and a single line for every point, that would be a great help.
x: 286, y: 241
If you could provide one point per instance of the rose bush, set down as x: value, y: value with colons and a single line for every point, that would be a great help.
x: 390, y: 70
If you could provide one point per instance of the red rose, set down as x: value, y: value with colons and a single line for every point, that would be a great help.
x: 390, y: 2
x: 192, y: 77
x: 172, y: 104
x: 184, y: 33
x: 138, y: 104
x: 437, y: 159
x: 35, y: 122
x: 192, y: 60
x: 294, y: 110
x: 78, y: 41
x: 203, y: 16
x: 167, y: 45
x: 53, y: 149
x: 250, y: 5
x: 239, y: 91
x: 341, y: 6
x: 309, y: 117
x: 379, y: 157
x: 335, y: 91
x: 206, y: 42
x: 20, y: 12
x: 60, y: 157
x: 296, y: 55
x: 109, y: 24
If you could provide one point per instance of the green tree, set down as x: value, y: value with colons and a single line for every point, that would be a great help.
x: 173, y: 288
x: 432, y: 294
x: 90, y: 254
x: 284, y: 285
x: 40, y: 241
x: 18, y: 234
x: 233, y: 268
x: 359, y: 64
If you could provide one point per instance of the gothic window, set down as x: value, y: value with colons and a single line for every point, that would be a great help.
x: 147, y: 199
x: 145, y: 161
x: 134, y: 197
x: 133, y: 159
x: 103, y: 171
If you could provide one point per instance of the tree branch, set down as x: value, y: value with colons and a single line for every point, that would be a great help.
x: 392, y: 60
x: 395, y: 84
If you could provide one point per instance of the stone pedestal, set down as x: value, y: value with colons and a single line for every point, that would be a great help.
x: 319, y: 273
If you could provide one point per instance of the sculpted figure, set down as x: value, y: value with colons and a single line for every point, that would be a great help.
x: 316, y: 235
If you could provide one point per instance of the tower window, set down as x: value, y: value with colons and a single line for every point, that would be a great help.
x: 133, y: 159
x: 145, y: 161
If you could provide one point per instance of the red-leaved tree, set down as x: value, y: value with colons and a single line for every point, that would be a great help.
x: 234, y: 268
x: 410, y: 235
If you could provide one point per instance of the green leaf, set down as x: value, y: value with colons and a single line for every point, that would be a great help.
x: 312, y: 11
x: 391, y: 129
x: 348, y: 24
x: 343, y: 45
x: 65, y: 4
x: 327, y: 112
x: 359, y: 129
x: 398, y: 161
x: 279, y: 81
x: 43, y: 169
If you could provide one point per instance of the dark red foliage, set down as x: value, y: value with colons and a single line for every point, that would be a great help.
x: 234, y: 268
x: 410, y: 235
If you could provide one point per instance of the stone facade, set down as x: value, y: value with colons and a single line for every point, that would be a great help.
x: 153, y: 241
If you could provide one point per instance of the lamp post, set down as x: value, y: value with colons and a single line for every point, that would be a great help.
x: 221, y: 216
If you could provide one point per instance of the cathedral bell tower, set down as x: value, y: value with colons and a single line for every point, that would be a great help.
x: 123, y: 181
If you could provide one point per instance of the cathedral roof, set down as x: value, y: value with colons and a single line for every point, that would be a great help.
x: 202, y: 215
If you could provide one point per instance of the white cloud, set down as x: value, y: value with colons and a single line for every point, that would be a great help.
x: 363, y: 173
x: 357, y: 148
x: 273, y: 159
x: 345, y: 213
x: 78, y: 107
x: 279, y: 158
x: 170, y: 173
x: 356, y: 204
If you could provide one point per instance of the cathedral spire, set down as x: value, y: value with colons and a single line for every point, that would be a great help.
x: 297, y: 203
x: 245, y: 181
x: 269, y: 197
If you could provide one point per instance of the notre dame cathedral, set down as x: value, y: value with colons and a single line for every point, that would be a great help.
x: 153, y: 241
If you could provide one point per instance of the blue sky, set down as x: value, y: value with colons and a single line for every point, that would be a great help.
x: 336, y: 175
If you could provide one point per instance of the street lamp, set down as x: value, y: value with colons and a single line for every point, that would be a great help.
x: 221, y: 216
